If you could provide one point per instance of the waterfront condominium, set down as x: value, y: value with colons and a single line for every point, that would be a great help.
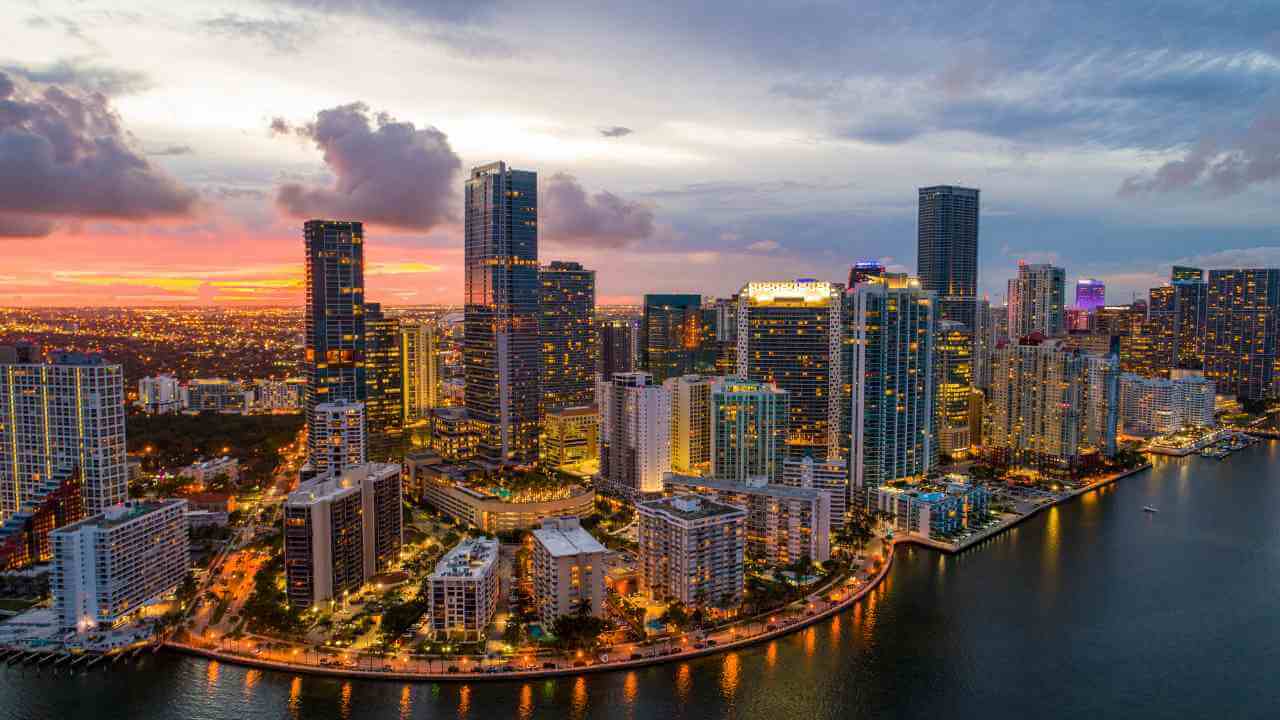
x: 1091, y: 294
x: 953, y: 367
x: 690, y: 422
x: 106, y: 567
x: 748, y: 422
x: 568, y: 301
x: 1100, y: 402
x: 1177, y: 320
x: 338, y: 430
x: 1036, y: 301
x: 1240, y: 338
x: 831, y: 476
x: 947, y: 249
x: 333, y: 360
x: 671, y: 335
x: 502, y: 358
x: 784, y: 524
x: 618, y: 340
x: 790, y: 335
x: 340, y: 529
x: 462, y: 593
x: 635, y: 435
x: 384, y: 384
x: 58, y: 416
x: 892, y: 407
x: 419, y: 371
x: 568, y: 570
x: 1156, y: 406
x: 692, y: 550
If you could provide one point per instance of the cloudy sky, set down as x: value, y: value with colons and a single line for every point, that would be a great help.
x: 161, y: 152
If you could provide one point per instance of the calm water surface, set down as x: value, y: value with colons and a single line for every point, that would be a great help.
x: 1094, y: 609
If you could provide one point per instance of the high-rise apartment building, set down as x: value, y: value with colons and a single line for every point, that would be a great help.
x: 784, y: 524
x: 690, y: 422
x: 985, y: 335
x: 1156, y: 406
x: 1182, y: 273
x: 748, y: 423
x: 635, y: 435
x: 831, y: 477
x: 57, y: 417
x: 568, y: 302
x: 947, y: 249
x: 1036, y: 301
x: 340, y: 529
x: 619, y: 346
x: 568, y: 570
x: 893, y: 418
x: 159, y: 395
x: 671, y: 335
x: 419, y: 370
x: 334, y: 362
x: 384, y: 384
x: 502, y: 356
x: 1100, y: 402
x: 790, y: 335
x: 1091, y: 294
x: 1241, y: 328
x: 106, y: 567
x: 953, y: 366
x: 338, y: 433
x: 692, y: 551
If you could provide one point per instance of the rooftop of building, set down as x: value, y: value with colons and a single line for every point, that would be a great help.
x: 572, y: 412
x: 759, y: 488
x: 470, y: 558
x: 690, y: 507
x: 563, y: 538
x: 121, y: 514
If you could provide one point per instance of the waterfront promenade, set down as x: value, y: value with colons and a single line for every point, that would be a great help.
x: 835, y: 597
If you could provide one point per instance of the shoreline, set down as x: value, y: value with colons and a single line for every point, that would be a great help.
x: 542, y: 673
x: 954, y: 548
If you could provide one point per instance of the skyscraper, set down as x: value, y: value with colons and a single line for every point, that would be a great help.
x: 56, y: 417
x: 1182, y: 273
x: 947, y: 249
x: 748, y: 431
x: 953, y: 364
x: 619, y: 346
x: 568, y: 301
x: 334, y: 362
x: 420, y: 370
x: 1090, y: 294
x: 985, y: 335
x: 690, y: 422
x: 384, y: 384
x: 1036, y: 301
x: 892, y: 410
x: 1240, y: 337
x: 864, y: 270
x: 635, y: 435
x: 790, y: 335
x: 340, y: 437
x: 671, y: 335
x: 502, y: 358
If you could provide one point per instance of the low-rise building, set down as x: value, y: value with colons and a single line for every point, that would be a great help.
x: 932, y: 511
x: 568, y: 569
x: 468, y: 493
x: 339, y: 531
x: 202, y: 473
x: 570, y: 435
x: 784, y: 524
x: 692, y: 550
x: 215, y: 395
x: 463, y: 591
x: 108, y: 566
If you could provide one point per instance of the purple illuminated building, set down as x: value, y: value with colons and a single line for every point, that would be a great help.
x: 1090, y: 294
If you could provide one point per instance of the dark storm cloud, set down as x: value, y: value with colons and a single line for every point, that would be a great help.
x: 616, y: 131
x: 386, y: 172
x: 280, y: 34
x: 1226, y: 168
x: 64, y: 154
x: 604, y: 220
x: 80, y: 73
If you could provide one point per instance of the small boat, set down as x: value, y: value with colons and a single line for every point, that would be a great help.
x: 1148, y: 508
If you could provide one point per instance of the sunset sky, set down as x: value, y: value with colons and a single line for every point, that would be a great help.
x: 167, y: 152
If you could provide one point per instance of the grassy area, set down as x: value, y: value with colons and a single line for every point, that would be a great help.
x: 179, y: 440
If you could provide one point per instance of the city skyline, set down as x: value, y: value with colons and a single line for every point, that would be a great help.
x: 771, y: 167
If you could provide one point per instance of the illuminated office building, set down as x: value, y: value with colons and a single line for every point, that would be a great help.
x: 947, y: 249
x: 568, y: 301
x: 619, y: 346
x: 1090, y: 294
x: 953, y: 364
x: 384, y: 384
x: 671, y: 335
x: 1241, y: 329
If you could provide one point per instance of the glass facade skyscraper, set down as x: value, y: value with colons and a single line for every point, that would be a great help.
x: 618, y: 340
x: 1090, y: 294
x: 568, y: 339
x: 947, y: 249
x: 748, y: 430
x: 384, y: 384
x: 502, y: 357
x: 334, y: 360
x: 672, y: 335
x: 1240, y: 336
